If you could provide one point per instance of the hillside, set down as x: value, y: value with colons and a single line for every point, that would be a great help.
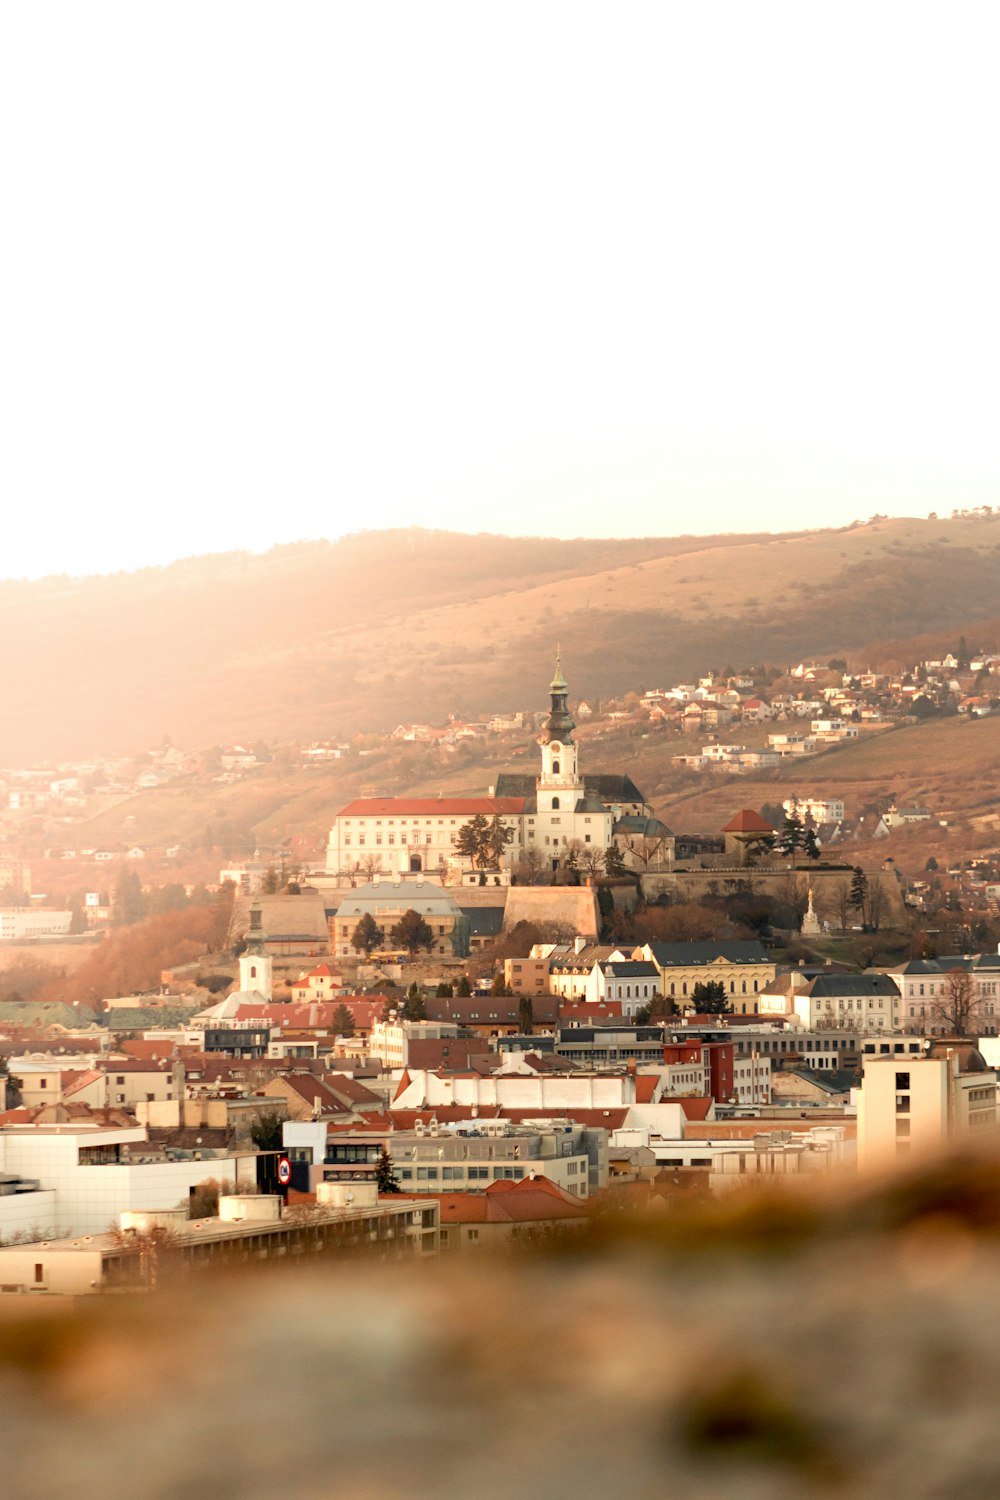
x: 951, y: 766
x: 322, y: 639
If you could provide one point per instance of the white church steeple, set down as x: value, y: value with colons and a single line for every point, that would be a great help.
x: 560, y: 785
x: 256, y: 963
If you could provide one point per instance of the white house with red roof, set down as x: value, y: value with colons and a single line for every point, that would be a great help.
x: 411, y: 835
x: 318, y: 984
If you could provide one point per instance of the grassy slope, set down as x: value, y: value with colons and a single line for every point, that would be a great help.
x: 322, y: 639
x: 950, y: 766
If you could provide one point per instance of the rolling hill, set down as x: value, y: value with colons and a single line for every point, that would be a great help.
x: 323, y: 639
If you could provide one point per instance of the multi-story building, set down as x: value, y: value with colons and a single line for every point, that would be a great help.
x: 942, y: 995
x: 924, y: 1104
x: 742, y: 968
x: 387, y: 901
x: 33, y: 922
x: 457, y: 1158
x: 846, y: 1002
x: 820, y: 809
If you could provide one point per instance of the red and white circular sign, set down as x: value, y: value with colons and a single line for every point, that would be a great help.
x: 284, y: 1171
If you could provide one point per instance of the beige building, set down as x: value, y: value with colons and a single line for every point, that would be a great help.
x: 922, y: 1105
x: 742, y: 968
x: 386, y: 901
x: 526, y: 976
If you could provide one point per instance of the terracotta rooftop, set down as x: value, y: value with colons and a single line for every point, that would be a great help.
x: 748, y: 821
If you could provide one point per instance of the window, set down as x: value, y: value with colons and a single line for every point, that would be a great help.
x: 473, y: 1234
x: 902, y: 1104
x: 347, y: 840
x: 39, y: 1273
x: 902, y: 1080
x: 555, y: 768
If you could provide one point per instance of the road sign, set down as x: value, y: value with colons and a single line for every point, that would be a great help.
x: 284, y: 1171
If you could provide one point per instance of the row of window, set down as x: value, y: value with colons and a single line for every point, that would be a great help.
x: 414, y: 836
x: 460, y: 1174
x: 732, y: 987
x: 988, y: 1009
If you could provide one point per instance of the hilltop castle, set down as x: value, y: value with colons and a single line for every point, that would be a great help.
x: 547, y: 812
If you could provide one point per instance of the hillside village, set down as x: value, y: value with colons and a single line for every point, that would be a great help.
x: 453, y: 1019
x: 765, y: 724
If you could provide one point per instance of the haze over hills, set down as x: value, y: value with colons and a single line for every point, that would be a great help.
x: 323, y: 639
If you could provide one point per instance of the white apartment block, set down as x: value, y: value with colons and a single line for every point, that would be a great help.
x: 25, y: 922
x: 917, y: 1106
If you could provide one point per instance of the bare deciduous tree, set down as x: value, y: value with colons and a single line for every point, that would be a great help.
x: 529, y: 867
x: 956, y: 1008
x: 876, y: 902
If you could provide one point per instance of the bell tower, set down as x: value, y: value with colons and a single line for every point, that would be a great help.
x: 255, y: 962
x: 559, y: 786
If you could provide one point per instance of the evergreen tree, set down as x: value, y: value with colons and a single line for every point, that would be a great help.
x: 367, y: 935
x: 343, y: 1021
x: 412, y: 933
x: 472, y: 842
x: 810, y: 843
x: 525, y: 1015
x: 443, y: 990
x: 709, y: 999
x: 498, y: 836
x: 129, y: 902
x: 464, y: 987
x: 858, y: 895
x: 792, y: 835
x: 606, y: 907
x: 614, y: 861
x: 416, y: 1009
x: 497, y: 986
x: 386, y: 1180
x: 266, y: 1132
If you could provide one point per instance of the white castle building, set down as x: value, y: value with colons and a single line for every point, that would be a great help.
x: 548, y: 812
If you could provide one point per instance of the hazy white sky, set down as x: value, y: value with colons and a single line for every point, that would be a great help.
x: 275, y: 272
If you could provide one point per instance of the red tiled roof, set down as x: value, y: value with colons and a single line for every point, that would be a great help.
x: 152, y: 1047
x: 590, y: 1011
x: 312, y: 1015
x: 645, y: 1087
x: 694, y: 1109
x: 427, y: 807
x: 74, y: 1082
x: 748, y: 821
x: 532, y: 1200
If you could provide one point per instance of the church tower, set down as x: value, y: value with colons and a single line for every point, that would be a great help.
x: 255, y: 962
x: 560, y: 785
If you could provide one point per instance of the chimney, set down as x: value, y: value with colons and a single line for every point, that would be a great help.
x: 579, y: 943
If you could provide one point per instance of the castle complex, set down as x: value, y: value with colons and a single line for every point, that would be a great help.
x: 549, y: 812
